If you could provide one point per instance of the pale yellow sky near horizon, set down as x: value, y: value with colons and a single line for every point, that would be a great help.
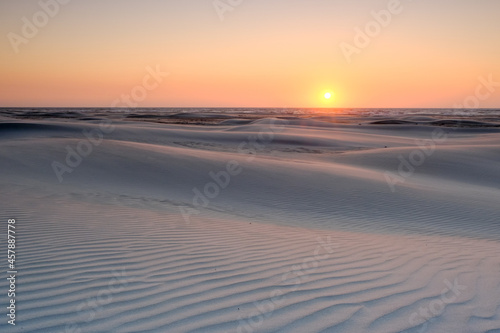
x: 272, y: 53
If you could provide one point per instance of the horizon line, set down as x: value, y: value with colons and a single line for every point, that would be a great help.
x: 239, y: 107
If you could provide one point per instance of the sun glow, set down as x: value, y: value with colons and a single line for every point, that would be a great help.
x: 328, y: 95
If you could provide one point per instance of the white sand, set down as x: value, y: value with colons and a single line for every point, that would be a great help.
x: 307, y: 237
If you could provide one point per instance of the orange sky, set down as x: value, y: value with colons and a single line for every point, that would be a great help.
x: 272, y: 53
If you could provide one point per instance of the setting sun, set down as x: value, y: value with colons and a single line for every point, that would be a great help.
x: 328, y: 95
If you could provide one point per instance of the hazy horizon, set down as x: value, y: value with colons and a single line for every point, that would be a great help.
x: 68, y: 107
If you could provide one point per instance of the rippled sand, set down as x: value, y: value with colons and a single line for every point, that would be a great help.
x: 331, y: 223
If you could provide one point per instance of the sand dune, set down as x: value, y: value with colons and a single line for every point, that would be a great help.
x: 268, y: 225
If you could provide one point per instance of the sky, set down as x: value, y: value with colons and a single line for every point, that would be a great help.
x: 250, y: 53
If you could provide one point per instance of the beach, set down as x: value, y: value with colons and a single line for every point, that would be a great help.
x: 255, y: 221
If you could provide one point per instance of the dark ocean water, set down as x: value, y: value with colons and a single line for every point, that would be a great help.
x: 255, y: 111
